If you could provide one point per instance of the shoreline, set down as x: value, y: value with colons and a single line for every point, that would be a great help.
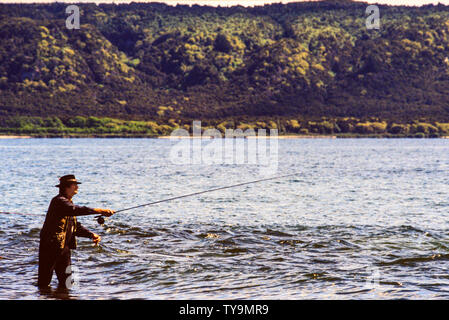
x: 15, y: 137
x: 254, y: 137
x: 287, y: 136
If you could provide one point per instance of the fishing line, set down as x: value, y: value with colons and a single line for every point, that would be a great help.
x: 21, y: 213
x: 205, y: 191
x: 100, y: 219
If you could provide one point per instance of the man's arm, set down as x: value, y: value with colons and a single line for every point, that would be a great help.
x: 84, y: 233
x: 67, y: 208
x: 81, y: 231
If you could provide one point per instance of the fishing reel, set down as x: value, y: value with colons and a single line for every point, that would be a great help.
x: 100, y: 220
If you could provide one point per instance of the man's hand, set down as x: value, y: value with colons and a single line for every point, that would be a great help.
x: 105, y: 212
x: 96, y: 239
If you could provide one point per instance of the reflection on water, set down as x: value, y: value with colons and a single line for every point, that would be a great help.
x: 364, y: 219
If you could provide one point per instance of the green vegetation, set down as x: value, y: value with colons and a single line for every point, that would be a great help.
x: 81, y: 126
x: 309, y: 68
x: 107, y: 127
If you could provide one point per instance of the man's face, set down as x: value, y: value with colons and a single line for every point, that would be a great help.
x: 72, y: 190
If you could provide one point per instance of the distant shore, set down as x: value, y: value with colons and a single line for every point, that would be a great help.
x: 287, y: 136
x: 287, y: 128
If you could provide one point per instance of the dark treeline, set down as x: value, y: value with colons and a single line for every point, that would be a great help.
x: 297, y: 62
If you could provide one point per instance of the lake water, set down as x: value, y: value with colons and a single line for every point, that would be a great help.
x: 362, y: 219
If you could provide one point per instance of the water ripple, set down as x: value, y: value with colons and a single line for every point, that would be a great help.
x: 364, y: 219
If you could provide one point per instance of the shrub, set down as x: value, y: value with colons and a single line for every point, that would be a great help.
x: 379, y: 127
x: 77, y: 122
x: 399, y: 128
x: 419, y: 135
x: 293, y: 125
x: 423, y: 127
x: 442, y: 127
x: 222, y: 43
x: 93, y: 122
x: 53, y: 122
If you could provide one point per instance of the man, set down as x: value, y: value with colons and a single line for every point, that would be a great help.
x: 59, y: 232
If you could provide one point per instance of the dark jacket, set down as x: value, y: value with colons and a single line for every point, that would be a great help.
x: 60, y: 227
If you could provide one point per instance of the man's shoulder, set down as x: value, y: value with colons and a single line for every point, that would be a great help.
x: 59, y: 198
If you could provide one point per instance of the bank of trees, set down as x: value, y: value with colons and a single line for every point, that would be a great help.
x: 300, y: 61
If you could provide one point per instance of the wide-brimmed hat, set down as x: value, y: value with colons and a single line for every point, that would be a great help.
x: 67, y: 180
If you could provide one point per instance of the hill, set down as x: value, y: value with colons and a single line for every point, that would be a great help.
x: 154, y: 62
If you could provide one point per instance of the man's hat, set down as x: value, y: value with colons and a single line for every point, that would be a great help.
x: 67, y: 180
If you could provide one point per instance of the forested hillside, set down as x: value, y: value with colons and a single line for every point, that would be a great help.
x: 289, y: 64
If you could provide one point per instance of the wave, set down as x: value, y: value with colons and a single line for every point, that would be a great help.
x: 411, y: 261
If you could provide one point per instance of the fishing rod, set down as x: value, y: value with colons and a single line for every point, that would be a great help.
x: 101, y: 220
